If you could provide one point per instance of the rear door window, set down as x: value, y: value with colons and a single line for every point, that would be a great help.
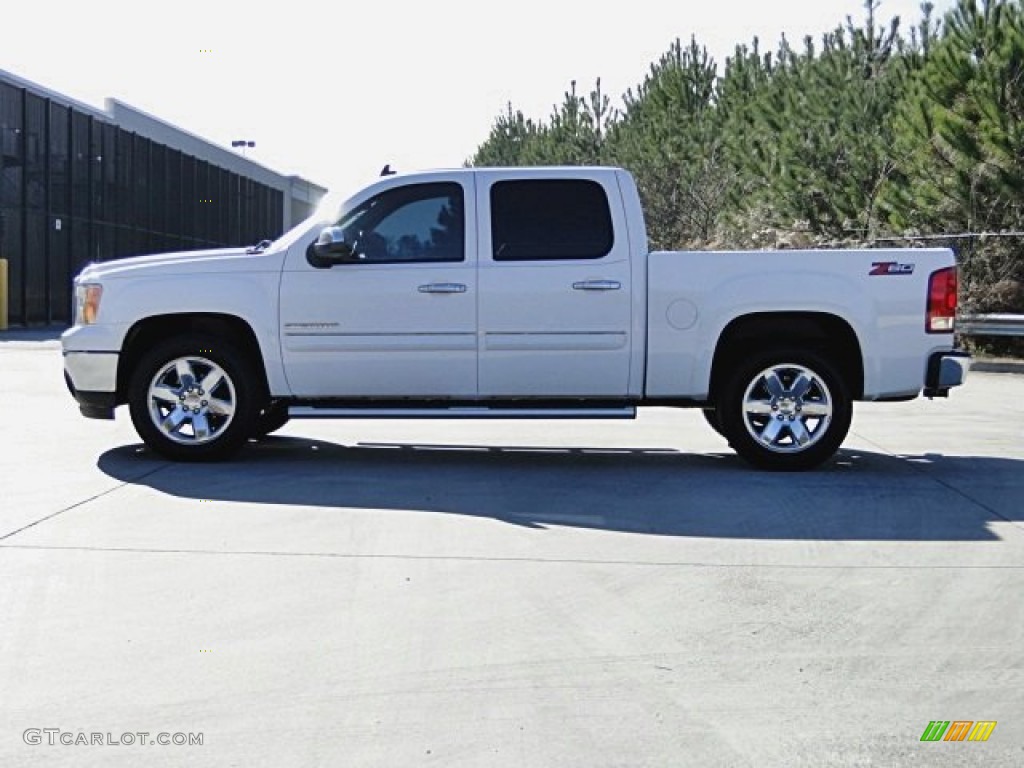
x: 550, y: 219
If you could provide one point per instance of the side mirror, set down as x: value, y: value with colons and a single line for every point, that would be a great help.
x: 329, y: 249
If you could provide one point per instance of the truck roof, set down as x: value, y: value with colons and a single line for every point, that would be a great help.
x: 524, y: 170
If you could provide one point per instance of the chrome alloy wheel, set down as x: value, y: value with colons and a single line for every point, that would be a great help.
x: 191, y: 400
x: 787, y: 408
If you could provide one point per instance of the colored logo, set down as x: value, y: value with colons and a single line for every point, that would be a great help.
x: 890, y: 268
x: 958, y: 730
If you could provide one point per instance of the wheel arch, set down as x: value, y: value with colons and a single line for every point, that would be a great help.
x: 152, y: 330
x: 828, y: 335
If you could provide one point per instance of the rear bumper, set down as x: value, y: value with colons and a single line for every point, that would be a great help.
x: 945, y: 371
x: 92, y: 380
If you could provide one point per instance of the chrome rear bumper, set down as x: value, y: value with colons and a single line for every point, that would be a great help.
x: 945, y: 371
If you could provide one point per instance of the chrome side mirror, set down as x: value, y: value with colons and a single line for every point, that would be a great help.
x: 330, y: 248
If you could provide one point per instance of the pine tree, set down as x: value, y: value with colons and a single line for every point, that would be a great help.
x: 668, y: 139
x: 818, y: 141
x: 961, y: 139
x: 510, y: 143
x: 574, y: 133
x: 861, y: 133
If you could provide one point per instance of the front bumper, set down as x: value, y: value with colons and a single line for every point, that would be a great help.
x: 92, y: 380
x: 945, y: 371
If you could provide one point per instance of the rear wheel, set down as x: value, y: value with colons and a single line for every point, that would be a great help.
x: 785, y: 410
x: 194, y: 398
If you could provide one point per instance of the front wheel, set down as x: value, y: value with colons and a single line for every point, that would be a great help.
x: 193, y: 398
x: 270, y: 419
x: 785, y: 410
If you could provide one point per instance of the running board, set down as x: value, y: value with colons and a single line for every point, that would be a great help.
x: 459, y: 412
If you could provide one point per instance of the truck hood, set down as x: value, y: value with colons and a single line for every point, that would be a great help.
x: 184, y: 263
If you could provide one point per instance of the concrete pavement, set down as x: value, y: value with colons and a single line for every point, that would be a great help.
x: 512, y: 593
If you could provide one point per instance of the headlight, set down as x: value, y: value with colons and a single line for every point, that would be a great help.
x: 87, y: 303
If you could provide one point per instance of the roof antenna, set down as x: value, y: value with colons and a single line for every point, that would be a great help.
x: 386, y: 170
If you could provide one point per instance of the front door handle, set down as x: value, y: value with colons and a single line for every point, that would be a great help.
x: 442, y: 288
x: 597, y: 285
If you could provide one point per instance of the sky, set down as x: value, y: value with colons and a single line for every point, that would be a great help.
x: 333, y: 91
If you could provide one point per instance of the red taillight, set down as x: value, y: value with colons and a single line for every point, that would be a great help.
x: 942, y: 288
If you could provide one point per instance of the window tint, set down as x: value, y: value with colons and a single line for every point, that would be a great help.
x: 419, y: 222
x: 550, y: 219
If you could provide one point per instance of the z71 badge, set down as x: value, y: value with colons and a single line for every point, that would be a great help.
x: 891, y: 268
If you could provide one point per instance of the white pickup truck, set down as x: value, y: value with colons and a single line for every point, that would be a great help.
x: 507, y: 293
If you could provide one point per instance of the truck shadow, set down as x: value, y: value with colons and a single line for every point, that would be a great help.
x: 858, y: 496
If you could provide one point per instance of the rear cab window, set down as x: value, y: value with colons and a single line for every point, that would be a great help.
x: 550, y: 219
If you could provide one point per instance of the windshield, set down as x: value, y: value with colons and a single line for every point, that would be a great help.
x: 297, y: 232
x: 329, y: 211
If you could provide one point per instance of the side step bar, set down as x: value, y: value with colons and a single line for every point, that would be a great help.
x: 459, y: 412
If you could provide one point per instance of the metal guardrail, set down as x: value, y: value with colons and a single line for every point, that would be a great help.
x: 991, y: 325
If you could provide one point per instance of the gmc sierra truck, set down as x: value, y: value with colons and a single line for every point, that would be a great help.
x: 507, y: 293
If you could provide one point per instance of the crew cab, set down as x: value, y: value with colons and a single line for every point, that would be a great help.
x: 506, y: 293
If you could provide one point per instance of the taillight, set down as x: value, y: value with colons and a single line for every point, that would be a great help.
x: 942, y: 289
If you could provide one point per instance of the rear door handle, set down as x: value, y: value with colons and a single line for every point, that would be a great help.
x: 442, y: 288
x: 597, y: 285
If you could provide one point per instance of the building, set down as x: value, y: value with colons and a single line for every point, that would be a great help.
x: 80, y: 184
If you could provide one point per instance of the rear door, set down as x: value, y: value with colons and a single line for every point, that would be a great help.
x: 554, y: 280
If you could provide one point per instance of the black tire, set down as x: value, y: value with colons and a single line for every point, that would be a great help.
x: 201, y: 425
x: 782, y: 416
x: 270, y: 419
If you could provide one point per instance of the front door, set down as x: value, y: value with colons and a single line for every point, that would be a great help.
x: 396, y: 318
